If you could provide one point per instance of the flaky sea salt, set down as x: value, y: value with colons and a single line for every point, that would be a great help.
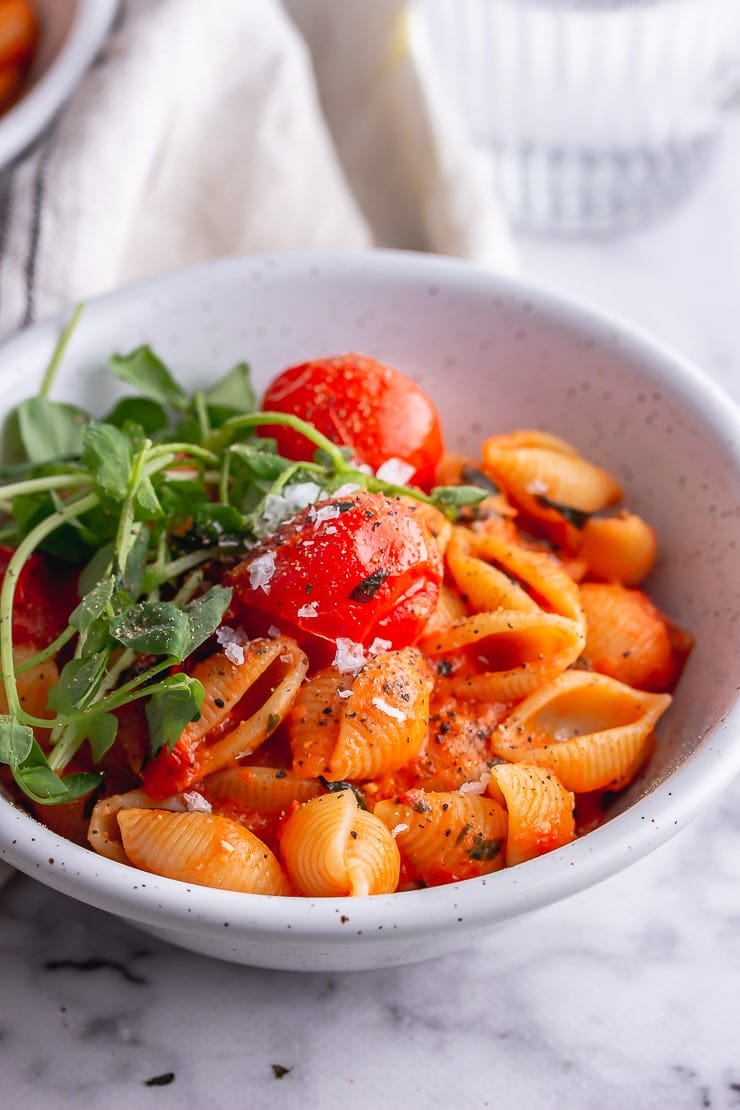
x: 398, y: 829
x: 342, y: 693
x: 235, y: 654
x: 227, y: 635
x: 232, y: 640
x: 291, y: 499
x: 389, y: 710
x: 395, y: 471
x: 345, y: 490
x: 479, y: 786
x: 349, y: 657
x: 379, y: 645
x: 261, y: 570
x: 196, y: 803
x: 310, y: 609
x: 326, y: 512
x: 536, y: 486
x: 563, y: 733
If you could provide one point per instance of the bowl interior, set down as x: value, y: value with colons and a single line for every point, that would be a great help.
x: 494, y: 356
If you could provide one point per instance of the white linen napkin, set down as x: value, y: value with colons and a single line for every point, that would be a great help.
x: 206, y: 129
x: 231, y: 127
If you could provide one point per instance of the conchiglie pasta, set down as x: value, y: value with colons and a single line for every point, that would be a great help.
x: 33, y: 684
x: 539, y: 809
x: 542, y: 475
x: 104, y: 832
x: 450, y: 607
x: 446, y: 836
x: 313, y: 721
x: 496, y: 573
x: 593, y: 732
x: 376, y: 727
x: 331, y: 847
x: 628, y: 638
x: 243, y: 703
x: 456, y: 749
x: 544, y: 465
x: 620, y: 548
x: 513, y: 653
x: 200, y: 848
x: 435, y: 520
x: 264, y: 789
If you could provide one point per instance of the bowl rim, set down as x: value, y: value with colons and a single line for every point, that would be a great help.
x: 625, y: 838
x: 25, y: 121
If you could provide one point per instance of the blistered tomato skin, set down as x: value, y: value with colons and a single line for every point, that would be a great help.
x: 359, y: 403
x: 360, y: 567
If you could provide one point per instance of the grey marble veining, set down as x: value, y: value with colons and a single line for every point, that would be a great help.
x: 626, y: 996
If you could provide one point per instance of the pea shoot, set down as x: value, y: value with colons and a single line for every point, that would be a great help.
x: 149, y: 504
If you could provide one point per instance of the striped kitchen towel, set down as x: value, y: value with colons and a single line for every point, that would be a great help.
x: 212, y: 129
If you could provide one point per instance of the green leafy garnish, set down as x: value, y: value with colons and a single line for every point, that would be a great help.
x: 450, y: 499
x: 577, y: 517
x: 174, y: 704
x: 336, y: 787
x: 150, y: 376
x: 143, y: 503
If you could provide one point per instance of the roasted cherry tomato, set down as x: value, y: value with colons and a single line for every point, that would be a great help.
x: 360, y: 403
x: 360, y: 567
x: 45, y: 595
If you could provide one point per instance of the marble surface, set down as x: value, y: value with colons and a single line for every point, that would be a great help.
x: 625, y: 996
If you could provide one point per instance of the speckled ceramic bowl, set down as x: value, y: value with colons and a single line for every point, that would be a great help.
x: 494, y: 355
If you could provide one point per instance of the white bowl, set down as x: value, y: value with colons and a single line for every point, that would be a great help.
x: 71, y: 33
x: 494, y: 355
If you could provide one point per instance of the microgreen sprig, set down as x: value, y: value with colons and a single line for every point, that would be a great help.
x: 141, y: 501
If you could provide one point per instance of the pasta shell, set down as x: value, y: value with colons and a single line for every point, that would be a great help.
x: 540, y: 473
x: 242, y: 705
x: 436, y: 521
x: 620, y: 548
x: 200, y: 848
x: 264, y: 789
x: 445, y: 837
x: 33, y: 685
x: 104, y: 832
x: 456, y: 749
x: 379, y: 727
x: 628, y: 638
x: 331, y: 848
x: 563, y: 477
x: 313, y: 722
x: 384, y: 722
x: 450, y: 607
x: 515, y: 652
x: 493, y: 572
x: 592, y: 731
x: 539, y: 808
